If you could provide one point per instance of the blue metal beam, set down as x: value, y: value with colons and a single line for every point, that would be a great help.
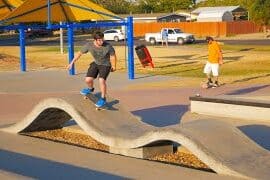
x: 57, y: 26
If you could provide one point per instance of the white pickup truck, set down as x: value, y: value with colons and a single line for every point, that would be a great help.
x: 175, y: 35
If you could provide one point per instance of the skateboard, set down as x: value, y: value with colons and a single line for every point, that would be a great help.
x: 93, y: 99
x: 204, y: 85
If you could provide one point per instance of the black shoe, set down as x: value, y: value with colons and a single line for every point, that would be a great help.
x: 215, y: 85
x: 209, y: 82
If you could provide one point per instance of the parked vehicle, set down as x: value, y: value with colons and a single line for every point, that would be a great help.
x: 33, y: 33
x: 114, y: 35
x: 175, y: 35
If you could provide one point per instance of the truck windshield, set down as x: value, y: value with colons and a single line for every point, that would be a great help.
x: 177, y: 31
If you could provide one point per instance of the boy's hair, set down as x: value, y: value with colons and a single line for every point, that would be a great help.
x: 98, y: 35
x: 208, y: 38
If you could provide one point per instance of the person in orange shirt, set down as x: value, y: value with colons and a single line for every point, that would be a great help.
x: 214, y: 61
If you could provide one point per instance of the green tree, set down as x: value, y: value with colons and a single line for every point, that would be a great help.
x: 172, y: 5
x: 116, y: 6
x: 220, y: 3
x: 147, y: 6
x: 243, y: 3
x: 260, y: 12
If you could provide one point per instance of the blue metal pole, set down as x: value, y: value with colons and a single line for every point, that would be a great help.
x: 22, y: 49
x: 70, y: 48
x: 130, y: 47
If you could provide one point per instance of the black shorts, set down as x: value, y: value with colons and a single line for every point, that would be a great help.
x: 101, y: 70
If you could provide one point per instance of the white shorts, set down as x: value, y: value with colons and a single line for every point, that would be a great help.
x: 211, y: 67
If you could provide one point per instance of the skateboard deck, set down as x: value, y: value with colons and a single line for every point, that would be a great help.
x: 204, y: 85
x: 93, y: 99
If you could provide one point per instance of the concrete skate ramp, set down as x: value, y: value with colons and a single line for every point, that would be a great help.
x: 241, y: 107
x: 223, y: 148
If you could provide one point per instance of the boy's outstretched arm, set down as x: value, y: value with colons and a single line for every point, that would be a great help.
x: 76, y: 57
x: 220, y: 61
x: 113, y: 60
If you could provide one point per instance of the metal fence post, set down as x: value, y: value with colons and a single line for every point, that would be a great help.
x: 130, y: 47
x: 71, y: 48
x: 22, y: 48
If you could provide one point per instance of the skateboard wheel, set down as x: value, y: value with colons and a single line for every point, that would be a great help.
x: 198, y: 95
x: 204, y: 86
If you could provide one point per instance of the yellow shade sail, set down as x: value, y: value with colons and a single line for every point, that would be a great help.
x: 6, y: 6
x: 61, y: 10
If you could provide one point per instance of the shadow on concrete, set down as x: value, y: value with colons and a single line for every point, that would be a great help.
x: 250, y: 78
x: 38, y: 168
x: 71, y: 122
x: 181, y: 71
x: 146, y: 76
x: 177, y: 64
x: 258, y: 133
x: 246, y: 49
x: 185, y: 57
x: 247, y: 90
x: 162, y: 116
x: 230, y: 59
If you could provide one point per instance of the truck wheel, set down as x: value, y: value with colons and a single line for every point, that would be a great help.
x: 116, y: 38
x: 152, y: 41
x: 180, y: 41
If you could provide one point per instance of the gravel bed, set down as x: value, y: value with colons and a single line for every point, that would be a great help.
x: 185, y: 159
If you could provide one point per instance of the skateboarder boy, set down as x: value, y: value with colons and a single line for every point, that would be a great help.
x: 104, y: 63
x: 213, y: 63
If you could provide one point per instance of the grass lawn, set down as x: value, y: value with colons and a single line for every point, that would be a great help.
x: 243, y: 64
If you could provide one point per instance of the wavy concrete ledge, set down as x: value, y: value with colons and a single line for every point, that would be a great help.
x: 222, y: 147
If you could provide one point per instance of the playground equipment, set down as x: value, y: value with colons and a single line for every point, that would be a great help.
x: 65, y: 11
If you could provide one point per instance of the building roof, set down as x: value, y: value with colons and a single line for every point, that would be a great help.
x: 146, y: 15
x: 150, y: 16
x: 215, y: 16
x: 172, y: 14
x: 211, y: 14
x: 218, y: 8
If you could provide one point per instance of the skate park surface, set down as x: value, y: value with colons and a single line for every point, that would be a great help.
x: 157, y: 109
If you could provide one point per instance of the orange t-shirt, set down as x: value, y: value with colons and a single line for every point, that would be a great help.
x: 213, y: 52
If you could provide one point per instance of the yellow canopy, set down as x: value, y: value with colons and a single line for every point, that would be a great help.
x: 6, y: 6
x: 61, y: 10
